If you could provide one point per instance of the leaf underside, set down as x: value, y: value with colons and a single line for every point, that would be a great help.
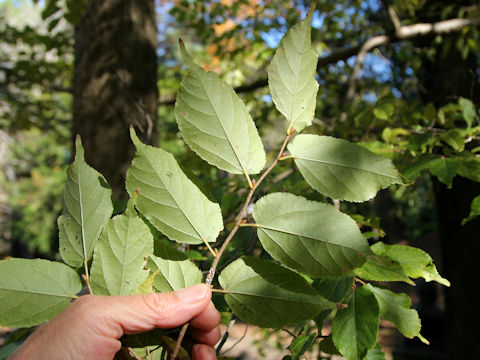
x: 342, y: 170
x: 268, y: 295
x: 174, y: 270
x: 215, y: 122
x: 34, y: 291
x: 119, y: 257
x: 87, y: 206
x: 304, y: 235
x: 169, y: 200
x: 291, y: 75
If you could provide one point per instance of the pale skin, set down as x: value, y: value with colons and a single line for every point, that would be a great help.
x: 90, y: 327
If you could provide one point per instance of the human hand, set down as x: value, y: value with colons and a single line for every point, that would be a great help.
x: 90, y: 327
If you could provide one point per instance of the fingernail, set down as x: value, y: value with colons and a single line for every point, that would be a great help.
x: 192, y: 294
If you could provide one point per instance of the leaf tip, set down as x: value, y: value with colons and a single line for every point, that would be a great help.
x: 79, y: 151
x: 185, y: 55
x: 311, y: 10
x: 134, y: 137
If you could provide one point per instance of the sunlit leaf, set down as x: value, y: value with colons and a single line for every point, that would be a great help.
x: 119, y: 256
x: 469, y: 168
x: 215, y: 123
x: 455, y: 138
x: 291, y: 75
x: 355, y: 328
x: 266, y: 294
x: 474, y: 210
x: 415, y: 262
x: 174, y: 270
x: 468, y: 111
x: 396, y: 308
x: 168, y: 199
x: 444, y: 169
x: 87, y: 206
x: 383, y: 111
x: 34, y: 291
x: 382, y: 268
x: 305, y: 236
x: 342, y: 170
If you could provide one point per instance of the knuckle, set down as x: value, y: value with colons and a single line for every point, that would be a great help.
x: 159, y: 306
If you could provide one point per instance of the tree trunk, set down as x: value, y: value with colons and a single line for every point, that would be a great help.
x: 115, y: 84
x: 442, y: 80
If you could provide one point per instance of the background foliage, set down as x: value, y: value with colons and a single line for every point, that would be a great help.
x: 396, y: 105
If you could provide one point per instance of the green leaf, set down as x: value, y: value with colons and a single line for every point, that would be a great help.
x: 328, y: 347
x: 468, y: 111
x: 396, y: 308
x: 119, y: 256
x: 415, y: 262
x: 474, y: 210
x: 333, y: 289
x: 342, y: 170
x: 382, y: 268
x: 215, y: 123
x: 394, y: 135
x: 175, y: 270
x: 291, y: 75
x: 376, y: 353
x: 470, y: 168
x: 87, y: 206
x: 302, y: 344
x: 147, y: 286
x: 154, y: 338
x: 444, y: 169
x: 455, y: 138
x: 383, y: 111
x: 151, y: 337
x: 420, y: 142
x: 266, y: 294
x: 304, y: 235
x: 34, y: 291
x: 168, y: 199
x: 355, y: 328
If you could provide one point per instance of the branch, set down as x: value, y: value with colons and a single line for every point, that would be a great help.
x: 401, y: 33
x: 257, y: 84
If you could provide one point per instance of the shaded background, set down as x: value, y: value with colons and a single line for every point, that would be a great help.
x: 399, y: 77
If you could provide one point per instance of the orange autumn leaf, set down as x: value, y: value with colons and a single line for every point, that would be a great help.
x: 221, y: 29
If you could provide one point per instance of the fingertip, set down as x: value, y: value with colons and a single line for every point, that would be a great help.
x: 193, y: 294
x: 203, y: 352
x: 210, y: 337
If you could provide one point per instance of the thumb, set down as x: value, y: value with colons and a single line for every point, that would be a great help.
x: 139, y: 313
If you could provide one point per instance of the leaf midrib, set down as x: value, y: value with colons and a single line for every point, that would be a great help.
x: 345, y: 166
x: 173, y: 197
x: 36, y: 292
x: 295, y: 94
x: 82, y: 230
x: 221, y: 123
x: 306, y: 236
x: 271, y: 297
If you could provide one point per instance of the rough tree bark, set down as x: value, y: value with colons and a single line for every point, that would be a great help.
x: 115, y: 84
